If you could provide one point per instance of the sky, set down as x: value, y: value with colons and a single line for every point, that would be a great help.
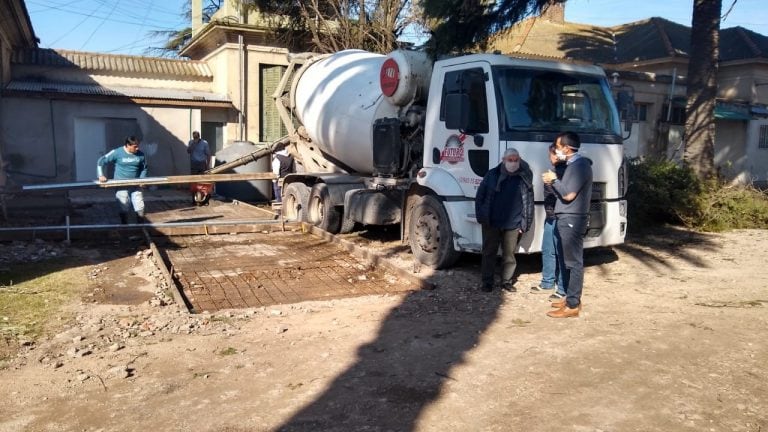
x: 123, y: 26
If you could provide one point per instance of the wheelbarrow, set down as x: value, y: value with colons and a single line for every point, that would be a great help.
x: 201, y: 193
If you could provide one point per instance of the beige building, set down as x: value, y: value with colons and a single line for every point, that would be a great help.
x: 60, y: 110
x: 15, y: 33
x: 649, y: 58
x: 64, y: 109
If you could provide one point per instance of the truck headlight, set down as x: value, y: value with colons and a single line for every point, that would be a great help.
x: 623, y: 178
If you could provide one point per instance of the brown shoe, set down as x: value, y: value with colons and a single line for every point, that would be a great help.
x: 558, y: 304
x: 565, y: 312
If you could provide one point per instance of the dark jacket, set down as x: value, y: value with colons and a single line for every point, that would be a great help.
x: 487, y: 191
x: 550, y: 197
x: 577, y: 178
x: 286, y: 164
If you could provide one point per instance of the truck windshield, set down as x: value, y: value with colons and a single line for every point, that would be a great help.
x: 533, y: 100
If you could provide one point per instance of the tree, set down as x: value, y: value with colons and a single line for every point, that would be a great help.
x: 174, y: 40
x: 334, y: 25
x: 702, y: 88
x: 460, y: 24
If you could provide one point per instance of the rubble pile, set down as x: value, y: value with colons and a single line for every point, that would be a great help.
x: 27, y: 252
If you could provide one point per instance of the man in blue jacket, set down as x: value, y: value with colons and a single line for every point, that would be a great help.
x: 130, y: 163
x: 504, y: 209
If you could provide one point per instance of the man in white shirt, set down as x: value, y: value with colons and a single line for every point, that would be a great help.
x: 282, y: 165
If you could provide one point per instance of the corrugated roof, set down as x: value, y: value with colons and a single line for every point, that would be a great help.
x: 114, y: 63
x: 650, y: 39
x: 132, y: 92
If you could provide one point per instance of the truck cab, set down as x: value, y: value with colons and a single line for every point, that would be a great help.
x: 479, y: 106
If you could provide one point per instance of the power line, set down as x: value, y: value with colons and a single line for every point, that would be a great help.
x: 75, y: 27
x: 157, y: 24
x: 99, y: 26
x: 146, y: 15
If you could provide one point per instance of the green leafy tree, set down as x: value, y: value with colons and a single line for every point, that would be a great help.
x: 458, y: 25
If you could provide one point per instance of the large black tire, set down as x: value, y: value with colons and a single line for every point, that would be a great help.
x: 295, y: 201
x: 429, y: 233
x: 321, y: 211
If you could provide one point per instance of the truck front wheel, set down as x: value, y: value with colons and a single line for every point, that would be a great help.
x: 429, y: 233
x: 295, y: 199
x: 321, y: 211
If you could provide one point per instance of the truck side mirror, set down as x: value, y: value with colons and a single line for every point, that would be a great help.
x: 625, y: 102
x: 457, y: 111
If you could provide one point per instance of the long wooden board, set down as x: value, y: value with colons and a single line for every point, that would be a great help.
x: 201, y: 178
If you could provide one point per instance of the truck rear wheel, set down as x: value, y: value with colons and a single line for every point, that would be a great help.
x: 429, y: 233
x: 321, y: 211
x: 295, y: 199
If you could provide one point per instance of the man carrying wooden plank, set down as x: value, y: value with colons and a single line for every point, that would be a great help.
x: 130, y: 163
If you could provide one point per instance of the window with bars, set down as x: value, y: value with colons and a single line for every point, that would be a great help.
x: 763, y: 138
x: 271, y: 127
x: 640, y: 114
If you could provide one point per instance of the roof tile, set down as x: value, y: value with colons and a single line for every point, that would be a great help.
x: 96, y: 89
x: 112, y: 63
x: 650, y: 39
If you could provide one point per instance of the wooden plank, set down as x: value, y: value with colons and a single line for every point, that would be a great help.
x: 201, y: 178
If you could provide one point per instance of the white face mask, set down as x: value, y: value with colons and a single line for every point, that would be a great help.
x: 512, y: 166
x: 560, y: 155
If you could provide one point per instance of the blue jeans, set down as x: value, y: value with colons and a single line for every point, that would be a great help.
x: 277, y: 191
x: 127, y: 198
x: 552, y: 263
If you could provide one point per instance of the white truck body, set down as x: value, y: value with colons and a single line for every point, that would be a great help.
x: 372, y: 135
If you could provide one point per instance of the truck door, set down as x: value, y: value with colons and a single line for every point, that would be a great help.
x: 468, y: 152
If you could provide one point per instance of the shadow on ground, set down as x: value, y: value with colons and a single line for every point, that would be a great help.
x: 420, y: 341
x: 676, y: 241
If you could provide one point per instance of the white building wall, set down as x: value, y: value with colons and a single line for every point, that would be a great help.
x: 731, y: 158
x: 756, y: 164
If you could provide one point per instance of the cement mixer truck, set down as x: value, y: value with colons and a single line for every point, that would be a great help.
x: 400, y: 139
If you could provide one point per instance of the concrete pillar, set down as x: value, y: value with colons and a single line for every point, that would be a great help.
x: 197, y: 16
x: 554, y: 11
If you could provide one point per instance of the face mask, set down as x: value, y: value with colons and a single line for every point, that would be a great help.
x: 511, y: 166
x: 560, y: 155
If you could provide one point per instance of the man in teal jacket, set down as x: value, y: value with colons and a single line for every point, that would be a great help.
x: 130, y: 163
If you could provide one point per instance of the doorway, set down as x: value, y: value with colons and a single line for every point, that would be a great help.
x: 213, y: 132
x: 94, y: 137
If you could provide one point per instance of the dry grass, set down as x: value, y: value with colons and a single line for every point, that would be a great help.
x: 32, y: 296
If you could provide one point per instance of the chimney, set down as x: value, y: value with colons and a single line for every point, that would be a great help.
x: 554, y: 11
x: 197, y: 16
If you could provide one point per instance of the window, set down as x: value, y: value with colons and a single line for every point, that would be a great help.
x: 763, y: 139
x: 640, y: 115
x: 676, y: 117
x: 533, y: 100
x: 271, y: 127
x: 471, y: 82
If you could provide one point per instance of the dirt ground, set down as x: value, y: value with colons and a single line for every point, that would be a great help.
x: 672, y: 337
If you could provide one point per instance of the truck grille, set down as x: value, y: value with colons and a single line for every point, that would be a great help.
x: 596, y: 220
